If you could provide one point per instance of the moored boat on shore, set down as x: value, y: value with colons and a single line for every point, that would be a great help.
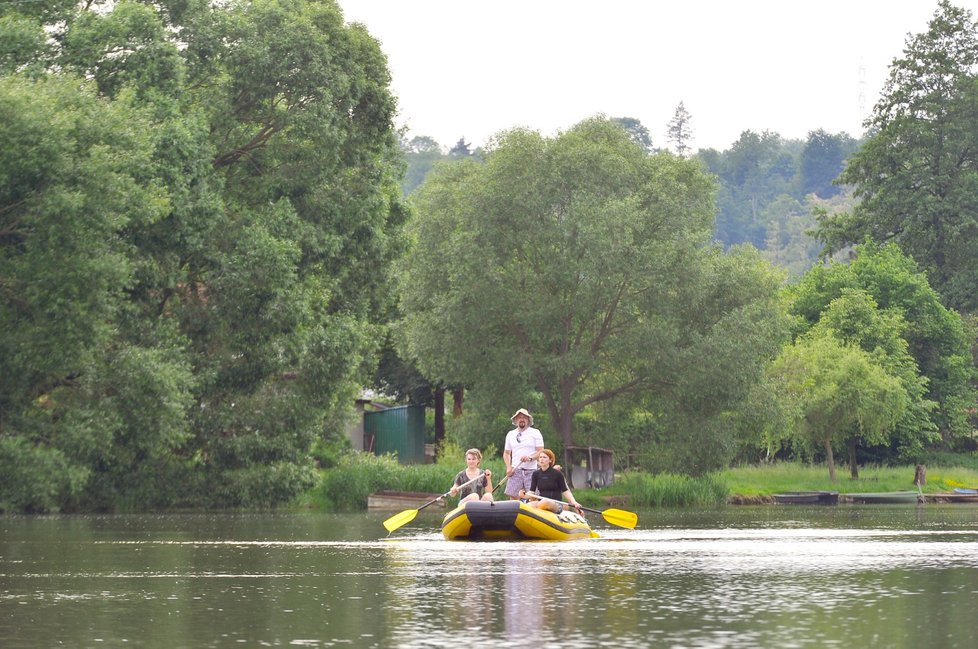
x: 807, y: 498
x: 955, y: 497
x: 883, y: 497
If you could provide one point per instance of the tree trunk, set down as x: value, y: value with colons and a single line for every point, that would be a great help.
x: 564, y: 423
x: 830, y: 459
x: 920, y: 475
x: 458, y: 394
x: 853, y: 467
x: 439, y: 415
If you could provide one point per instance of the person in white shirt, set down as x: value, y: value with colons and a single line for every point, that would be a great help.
x: 523, y: 446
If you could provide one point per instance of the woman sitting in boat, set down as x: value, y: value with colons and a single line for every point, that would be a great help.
x: 549, y: 484
x: 478, y: 490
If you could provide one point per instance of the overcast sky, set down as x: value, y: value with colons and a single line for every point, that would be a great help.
x: 470, y: 68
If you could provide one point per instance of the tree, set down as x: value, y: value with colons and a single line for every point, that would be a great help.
x: 935, y: 335
x: 421, y: 153
x: 757, y: 169
x: 822, y: 160
x: 916, y: 174
x: 680, y: 133
x: 249, y: 233
x: 461, y: 149
x: 576, y: 268
x: 76, y: 179
x: 833, y: 390
x: 637, y: 131
x: 854, y: 319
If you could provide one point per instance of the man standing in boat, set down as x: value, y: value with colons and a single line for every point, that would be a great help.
x: 523, y: 446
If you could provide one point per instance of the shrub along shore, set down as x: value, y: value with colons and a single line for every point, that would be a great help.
x: 346, y: 486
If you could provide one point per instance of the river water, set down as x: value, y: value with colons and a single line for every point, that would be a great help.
x: 736, y: 577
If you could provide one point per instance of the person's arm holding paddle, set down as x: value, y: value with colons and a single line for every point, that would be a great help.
x: 551, y: 485
x: 406, y: 516
x: 479, y: 490
x: 522, y: 447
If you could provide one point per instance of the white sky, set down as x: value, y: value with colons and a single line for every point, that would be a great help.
x: 471, y: 68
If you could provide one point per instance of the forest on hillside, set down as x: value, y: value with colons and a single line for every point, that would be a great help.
x: 770, y: 188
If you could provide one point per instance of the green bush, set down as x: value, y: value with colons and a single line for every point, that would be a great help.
x: 667, y: 490
x: 35, y: 479
x: 346, y: 485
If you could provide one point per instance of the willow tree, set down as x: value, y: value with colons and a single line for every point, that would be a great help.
x: 835, y: 392
x: 579, y: 268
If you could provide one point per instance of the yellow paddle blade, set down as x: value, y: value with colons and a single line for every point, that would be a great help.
x: 621, y: 518
x: 595, y: 535
x: 398, y: 520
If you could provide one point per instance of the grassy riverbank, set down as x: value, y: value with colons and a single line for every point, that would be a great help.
x: 763, y: 480
x: 346, y: 486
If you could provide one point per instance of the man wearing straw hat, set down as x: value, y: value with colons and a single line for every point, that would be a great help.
x: 524, y: 444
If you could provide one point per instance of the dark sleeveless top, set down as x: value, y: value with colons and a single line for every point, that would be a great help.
x: 549, y: 484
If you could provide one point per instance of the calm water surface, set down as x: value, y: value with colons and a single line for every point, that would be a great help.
x: 775, y: 576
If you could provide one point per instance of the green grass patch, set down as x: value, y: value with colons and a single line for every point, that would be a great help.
x: 346, y: 486
x: 767, y: 479
x: 665, y: 490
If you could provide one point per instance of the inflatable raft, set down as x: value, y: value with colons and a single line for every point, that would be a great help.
x: 512, y: 520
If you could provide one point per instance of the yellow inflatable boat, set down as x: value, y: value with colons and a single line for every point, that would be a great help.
x: 512, y: 520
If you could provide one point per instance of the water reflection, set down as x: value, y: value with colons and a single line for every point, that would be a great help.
x: 728, y: 579
x: 524, y: 611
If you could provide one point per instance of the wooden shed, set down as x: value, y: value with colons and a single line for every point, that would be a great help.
x: 590, y: 467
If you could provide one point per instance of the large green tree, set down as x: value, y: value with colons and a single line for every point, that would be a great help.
x: 936, y: 336
x: 264, y: 213
x: 855, y: 320
x: 577, y: 268
x: 78, y: 396
x: 834, y: 391
x: 917, y: 174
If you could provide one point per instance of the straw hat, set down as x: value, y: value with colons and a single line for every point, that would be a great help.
x: 522, y: 411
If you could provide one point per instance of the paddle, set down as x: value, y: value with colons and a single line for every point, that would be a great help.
x: 505, y: 478
x: 405, y: 517
x: 618, y: 517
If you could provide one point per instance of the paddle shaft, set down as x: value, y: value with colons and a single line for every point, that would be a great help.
x: 619, y: 517
x: 530, y: 494
x: 403, y: 518
x: 506, y: 477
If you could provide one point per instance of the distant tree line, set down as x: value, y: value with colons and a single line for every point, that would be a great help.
x: 769, y: 188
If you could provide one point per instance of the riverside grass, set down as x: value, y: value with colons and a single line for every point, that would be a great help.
x: 767, y: 479
x: 346, y: 486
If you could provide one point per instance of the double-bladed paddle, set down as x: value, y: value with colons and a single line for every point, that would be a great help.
x: 405, y: 517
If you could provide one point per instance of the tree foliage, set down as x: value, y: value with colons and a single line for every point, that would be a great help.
x: 637, y: 131
x: 195, y: 244
x: 577, y: 268
x: 936, y: 337
x: 835, y: 391
x: 822, y: 161
x: 918, y: 173
x: 680, y: 131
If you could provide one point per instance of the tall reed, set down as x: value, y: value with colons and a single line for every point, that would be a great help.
x: 668, y: 490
